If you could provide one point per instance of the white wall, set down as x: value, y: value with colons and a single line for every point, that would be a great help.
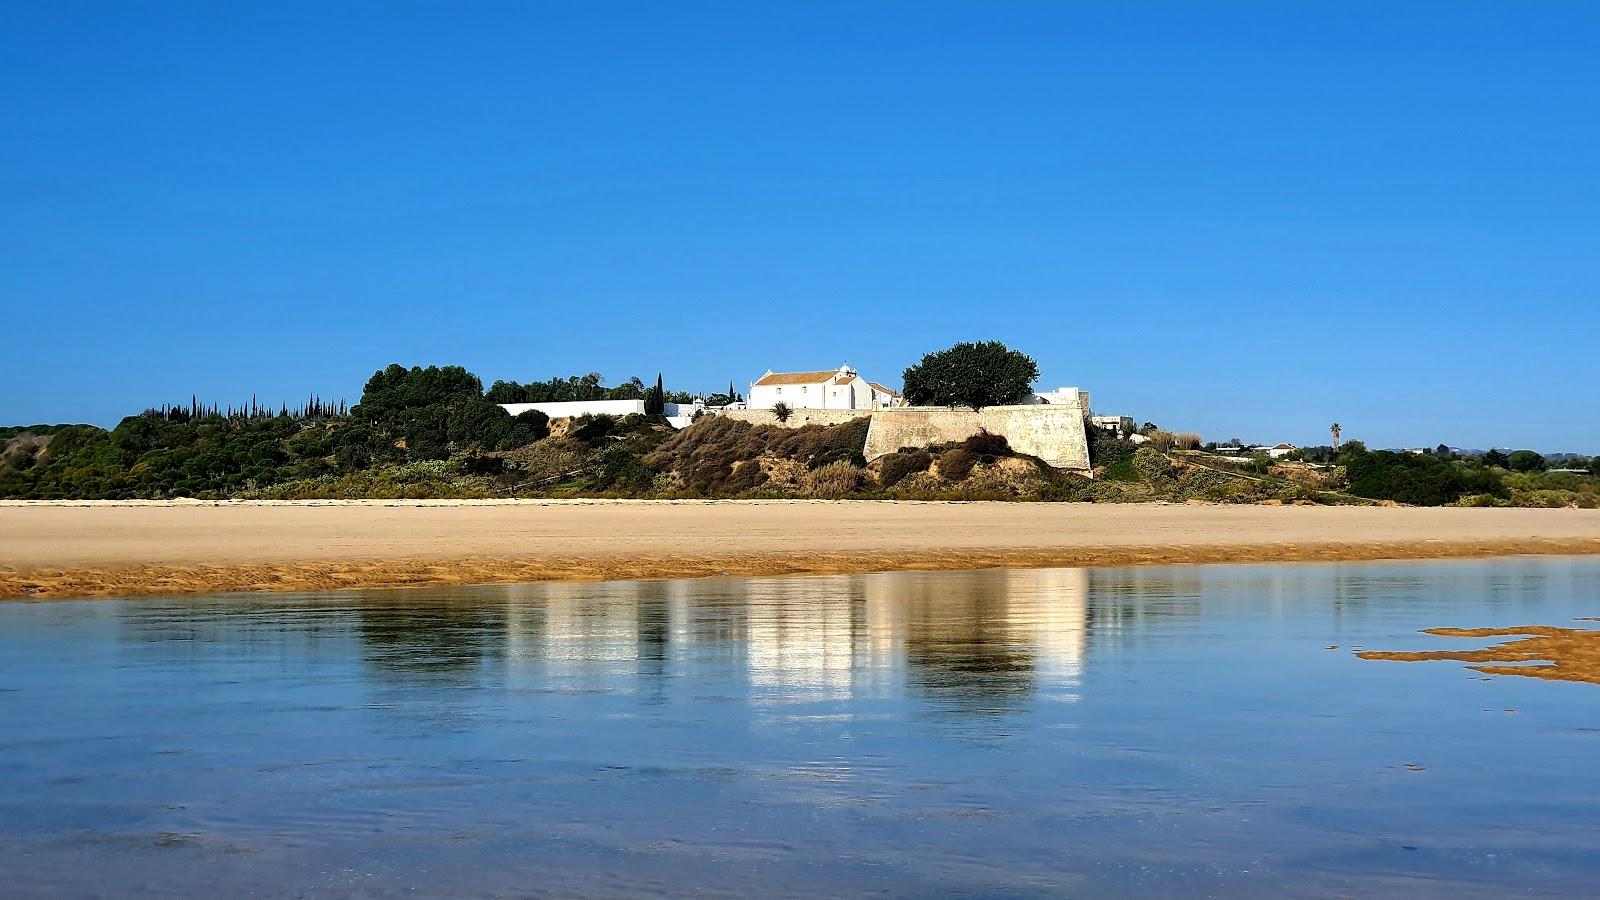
x: 766, y: 396
x: 681, y: 415
x: 854, y: 394
x: 568, y: 409
x: 1060, y: 396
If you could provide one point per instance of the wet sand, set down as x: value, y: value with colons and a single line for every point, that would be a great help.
x: 138, y: 548
x: 1544, y: 651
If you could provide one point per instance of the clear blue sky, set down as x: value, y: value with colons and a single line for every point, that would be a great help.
x: 1243, y: 219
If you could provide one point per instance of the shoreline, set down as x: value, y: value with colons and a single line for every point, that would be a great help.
x: 159, y: 580
x: 63, y: 549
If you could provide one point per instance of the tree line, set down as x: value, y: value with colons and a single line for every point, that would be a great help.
x: 405, y: 415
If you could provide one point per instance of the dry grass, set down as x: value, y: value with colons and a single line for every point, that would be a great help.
x: 834, y: 480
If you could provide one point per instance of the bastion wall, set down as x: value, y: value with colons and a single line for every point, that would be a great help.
x: 1054, y: 432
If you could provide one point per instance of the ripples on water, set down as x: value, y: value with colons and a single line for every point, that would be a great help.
x: 1183, y: 731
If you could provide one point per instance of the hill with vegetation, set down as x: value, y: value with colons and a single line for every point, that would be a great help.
x: 436, y: 432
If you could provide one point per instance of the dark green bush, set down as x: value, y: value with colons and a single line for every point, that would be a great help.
x: 591, y: 429
x: 897, y: 466
x: 476, y: 464
x: 838, y: 454
x: 1108, y: 449
x: 956, y: 465
x: 989, y: 446
x: 536, y: 422
x: 1420, y: 479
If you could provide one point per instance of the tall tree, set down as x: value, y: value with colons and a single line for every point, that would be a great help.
x: 971, y: 374
x: 655, y: 402
x: 1334, y: 428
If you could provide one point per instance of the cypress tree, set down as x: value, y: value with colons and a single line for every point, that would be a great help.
x: 657, y: 404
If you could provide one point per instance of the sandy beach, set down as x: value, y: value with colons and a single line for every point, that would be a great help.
x: 87, y: 549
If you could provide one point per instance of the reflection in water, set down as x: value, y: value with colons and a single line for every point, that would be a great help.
x: 1177, y: 730
x: 434, y: 639
x: 967, y: 640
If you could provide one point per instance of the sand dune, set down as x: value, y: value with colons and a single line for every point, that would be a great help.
x: 133, y: 548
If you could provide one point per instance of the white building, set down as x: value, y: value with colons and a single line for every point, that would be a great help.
x: 884, y: 396
x: 841, y: 388
x: 1121, y: 426
x: 681, y: 415
x: 678, y: 415
x: 566, y: 409
x: 1059, y: 396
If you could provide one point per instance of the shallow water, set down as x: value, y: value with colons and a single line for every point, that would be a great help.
x: 1181, y: 731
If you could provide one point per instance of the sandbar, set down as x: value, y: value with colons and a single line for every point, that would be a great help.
x: 131, y: 548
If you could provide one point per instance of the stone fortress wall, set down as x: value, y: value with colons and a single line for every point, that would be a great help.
x: 1054, y: 432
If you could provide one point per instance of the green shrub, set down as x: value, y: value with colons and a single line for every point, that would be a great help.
x: 1419, y: 479
x: 956, y: 465
x: 477, y: 464
x: 591, y: 429
x: 549, y: 460
x: 1107, y: 449
x: 1525, y: 461
x: 1544, y: 498
x: 838, y: 454
x: 895, y: 467
x: 1121, y: 469
x: 1060, y: 488
x: 617, y: 469
x: 536, y: 423
x: 1152, y: 466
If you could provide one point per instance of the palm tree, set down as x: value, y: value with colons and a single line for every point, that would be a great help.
x: 1335, y: 429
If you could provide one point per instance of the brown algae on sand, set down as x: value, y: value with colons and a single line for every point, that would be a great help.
x: 354, y: 573
x: 1543, y: 651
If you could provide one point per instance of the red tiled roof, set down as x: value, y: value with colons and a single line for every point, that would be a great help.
x: 803, y: 377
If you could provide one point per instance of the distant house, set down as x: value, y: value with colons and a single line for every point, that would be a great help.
x: 1276, y: 451
x: 681, y: 415
x: 1059, y: 396
x: 841, y: 388
x: 1122, y: 426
